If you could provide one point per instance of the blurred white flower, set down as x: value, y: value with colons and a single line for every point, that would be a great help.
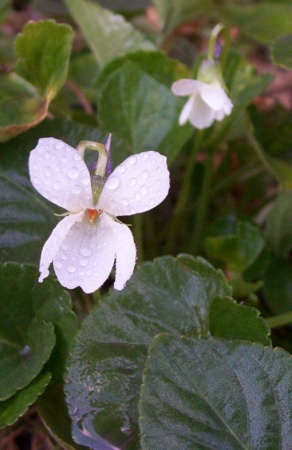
x: 85, y: 244
x: 208, y: 100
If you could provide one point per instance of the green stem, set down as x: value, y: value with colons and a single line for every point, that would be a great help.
x: 195, y: 243
x: 280, y: 320
x: 138, y: 234
x: 183, y: 196
x: 102, y: 155
x: 213, y: 38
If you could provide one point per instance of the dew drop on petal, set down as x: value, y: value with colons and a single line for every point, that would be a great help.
x: 76, y: 190
x: 132, y: 160
x: 83, y: 262
x: 144, y: 190
x: 138, y: 196
x: 133, y: 181
x: 145, y: 174
x: 64, y: 159
x: 56, y: 185
x: 64, y: 257
x: 121, y: 169
x: 158, y: 170
x: 85, y: 251
x: 73, y: 173
x: 47, y: 155
x: 113, y: 183
x: 85, y: 181
x: 89, y: 272
x: 71, y: 269
x: 58, y: 264
x: 59, y: 145
x: 125, y: 202
x: 47, y: 171
x: 77, y: 157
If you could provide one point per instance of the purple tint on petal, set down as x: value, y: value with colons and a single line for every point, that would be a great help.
x: 217, y: 51
x: 108, y: 149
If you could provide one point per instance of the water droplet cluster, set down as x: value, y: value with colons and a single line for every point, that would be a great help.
x: 83, y: 257
x: 58, y: 172
x: 136, y: 185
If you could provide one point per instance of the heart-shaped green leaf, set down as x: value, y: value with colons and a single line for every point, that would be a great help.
x: 15, y: 406
x: 108, y: 34
x: 230, y: 320
x: 173, y: 13
x: 43, y: 51
x: 104, y: 377
x: 145, y: 111
x: 279, y: 224
x: 32, y: 316
x: 263, y: 21
x: 215, y: 394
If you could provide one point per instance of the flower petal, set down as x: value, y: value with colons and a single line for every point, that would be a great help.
x: 56, y: 238
x: 140, y: 183
x: 125, y: 254
x: 185, y: 112
x: 216, y: 98
x: 201, y: 115
x: 60, y: 175
x: 87, y: 254
x: 186, y: 86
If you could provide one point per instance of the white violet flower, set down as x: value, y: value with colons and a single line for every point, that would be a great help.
x: 89, y: 239
x: 208, y: 100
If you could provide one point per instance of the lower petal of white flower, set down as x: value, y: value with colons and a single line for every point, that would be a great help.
x: 87, y: 254
x: 201, y: 115
x: 184, y: 115
x: 56, y: 238
x: 125, y: 254
x: 216, y: 98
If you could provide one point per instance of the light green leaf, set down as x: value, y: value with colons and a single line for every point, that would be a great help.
x: 277, y: 287
x: 169, y: 294
x: 279, y: 224
x: 235, y: 242
x: 142, y: 111
x: 32, y: 316
x: 264, y: 21
x: 57, y: 419
x: 243, y: 85
x: 215, y: 394
x: 173, y: 13
x: 281, y: 51
x: 230, y: 320
x: 20, y: 106
x: 43, y: 51
x: 107, y: 33
x: 14, y: 407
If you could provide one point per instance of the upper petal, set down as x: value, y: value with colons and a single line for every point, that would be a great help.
x: 87, y: 254
x: 125, y: 254
x: 216, y: 98
x: 52, y: 245
x: 59, y: 174
x: 186, y: 86
x: 140, y: 183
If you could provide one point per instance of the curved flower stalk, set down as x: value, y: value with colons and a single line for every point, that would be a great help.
x: 85, y: 244
x: 208, y: 100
